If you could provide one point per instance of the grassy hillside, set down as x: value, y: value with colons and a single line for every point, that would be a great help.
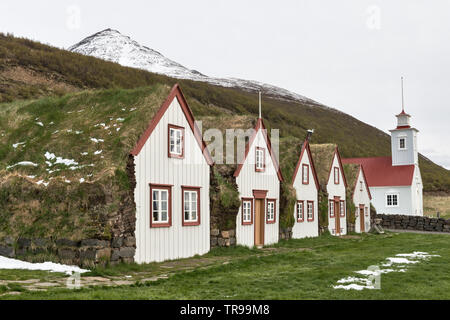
x: 30, y: 70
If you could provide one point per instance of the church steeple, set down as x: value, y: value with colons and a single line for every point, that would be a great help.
x: 404, y: 139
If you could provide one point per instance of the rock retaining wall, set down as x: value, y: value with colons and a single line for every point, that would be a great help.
x: 390, y: 221
x: 85, y: 253
x: 224, y: 238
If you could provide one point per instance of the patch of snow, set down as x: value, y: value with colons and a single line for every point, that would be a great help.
x: 98, y: 152
x: 401, y: 260
x: 397, y: 264
x: 120, y: 119
x: 23, y: 163
x: 353, y: 286
x: 39, y: 123
x: 42, y: 182
x: 82, y: 180
x: 31, y: 177
x: 59, y: 160
x: 97, y: 140
x: 15, y: 145
x: 84, y: 153
x: 8, y: 263
x: 113, y: 46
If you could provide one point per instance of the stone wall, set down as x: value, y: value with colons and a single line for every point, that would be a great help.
x: 285, y: 233
x: 350, y: 227
x: 85, y: 253
x: 390, y: 221
x: 224, y: 238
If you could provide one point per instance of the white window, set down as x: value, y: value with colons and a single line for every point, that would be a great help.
x: 190, y: 206
x: 259, y: 166
x: 331, y: 208
x: 300, y: 211
x: 342, y: 208
x: 402, y: 143
x: 160, y: 206
x: 336, y: 175
x: 305, y: 174
x: 175, y: 141
x: 366, y: 211
x: 270, y: 210
x: 247, y: 211
x: 392, y: 200
x: 310, y: 211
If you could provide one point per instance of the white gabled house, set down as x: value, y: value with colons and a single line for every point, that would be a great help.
x: 172, y: 168
x: 258, y: 179
x: 360, y: 195
x: 332, y: 179
x: 306, y: 187
x: 395, y: 182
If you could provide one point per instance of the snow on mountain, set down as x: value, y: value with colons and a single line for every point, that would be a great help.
x: 113, y: 46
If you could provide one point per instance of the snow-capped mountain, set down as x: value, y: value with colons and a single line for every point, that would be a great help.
x: 113, y: 46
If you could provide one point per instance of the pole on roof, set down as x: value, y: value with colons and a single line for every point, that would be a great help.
x: 403, y: 100
x: 259, y: 104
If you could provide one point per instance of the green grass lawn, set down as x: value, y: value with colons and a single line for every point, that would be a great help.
x: 294, y: 269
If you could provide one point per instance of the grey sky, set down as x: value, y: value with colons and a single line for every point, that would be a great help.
x: 346, y: 54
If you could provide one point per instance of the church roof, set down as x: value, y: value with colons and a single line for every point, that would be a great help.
x: 380, y: 172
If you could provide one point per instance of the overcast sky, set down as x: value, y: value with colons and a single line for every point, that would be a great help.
x: 346, y: 54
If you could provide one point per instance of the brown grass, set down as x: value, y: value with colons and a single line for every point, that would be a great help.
x: 436, y: 203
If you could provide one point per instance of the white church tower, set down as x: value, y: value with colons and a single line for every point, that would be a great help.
x: 405, y: 153
x: 404, y: 142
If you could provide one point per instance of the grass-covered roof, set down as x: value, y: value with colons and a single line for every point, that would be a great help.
x: 322, y: 155
x: 351, y: 174
x: 78, y: 137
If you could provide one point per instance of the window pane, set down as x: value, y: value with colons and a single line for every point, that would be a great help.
x: 164, y: 194
x: 164, y: 205
x: 164, y: 216
x: 155, y: 216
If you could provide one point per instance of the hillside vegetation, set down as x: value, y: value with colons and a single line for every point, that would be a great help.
x: 29, y: 70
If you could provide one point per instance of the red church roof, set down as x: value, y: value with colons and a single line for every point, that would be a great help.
x: 381, y: 173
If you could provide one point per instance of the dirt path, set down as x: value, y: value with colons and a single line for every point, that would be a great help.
x: 162, y: 271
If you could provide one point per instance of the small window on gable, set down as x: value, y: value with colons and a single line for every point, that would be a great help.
x: 300, y: 215
x: 336, y: 175
x: 260, y: 159
x: 176, y: 141
x: 402, y: 143
x: 361, y: 186
x: 392, y: 200
x: 366, y: 211
x: 305, y: 174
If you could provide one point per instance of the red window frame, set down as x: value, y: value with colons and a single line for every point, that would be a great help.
x: 274, y: 211
x: 263, y: 160
x: 190, y: 223
x: 303, y: 210
x: 245, y: 223
x: 312, y: 206
x: 167, y: 187
x: 342, y: 206
x: 336, y: 175
x: 332, y: 212
x: 303, y: 174
x: 170, y: 154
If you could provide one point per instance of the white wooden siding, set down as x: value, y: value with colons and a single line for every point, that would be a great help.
x: 249, y: 180
x: 336, y: 190
x: 361, y: 197
x: 154, y: 166
x: 305, y: 192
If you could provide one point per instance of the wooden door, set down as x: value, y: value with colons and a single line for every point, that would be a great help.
x: 337, y: 217
x: 361, y: 222
x: 259, y: 222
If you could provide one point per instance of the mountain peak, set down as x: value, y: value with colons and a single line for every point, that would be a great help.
x: 111, y: 45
